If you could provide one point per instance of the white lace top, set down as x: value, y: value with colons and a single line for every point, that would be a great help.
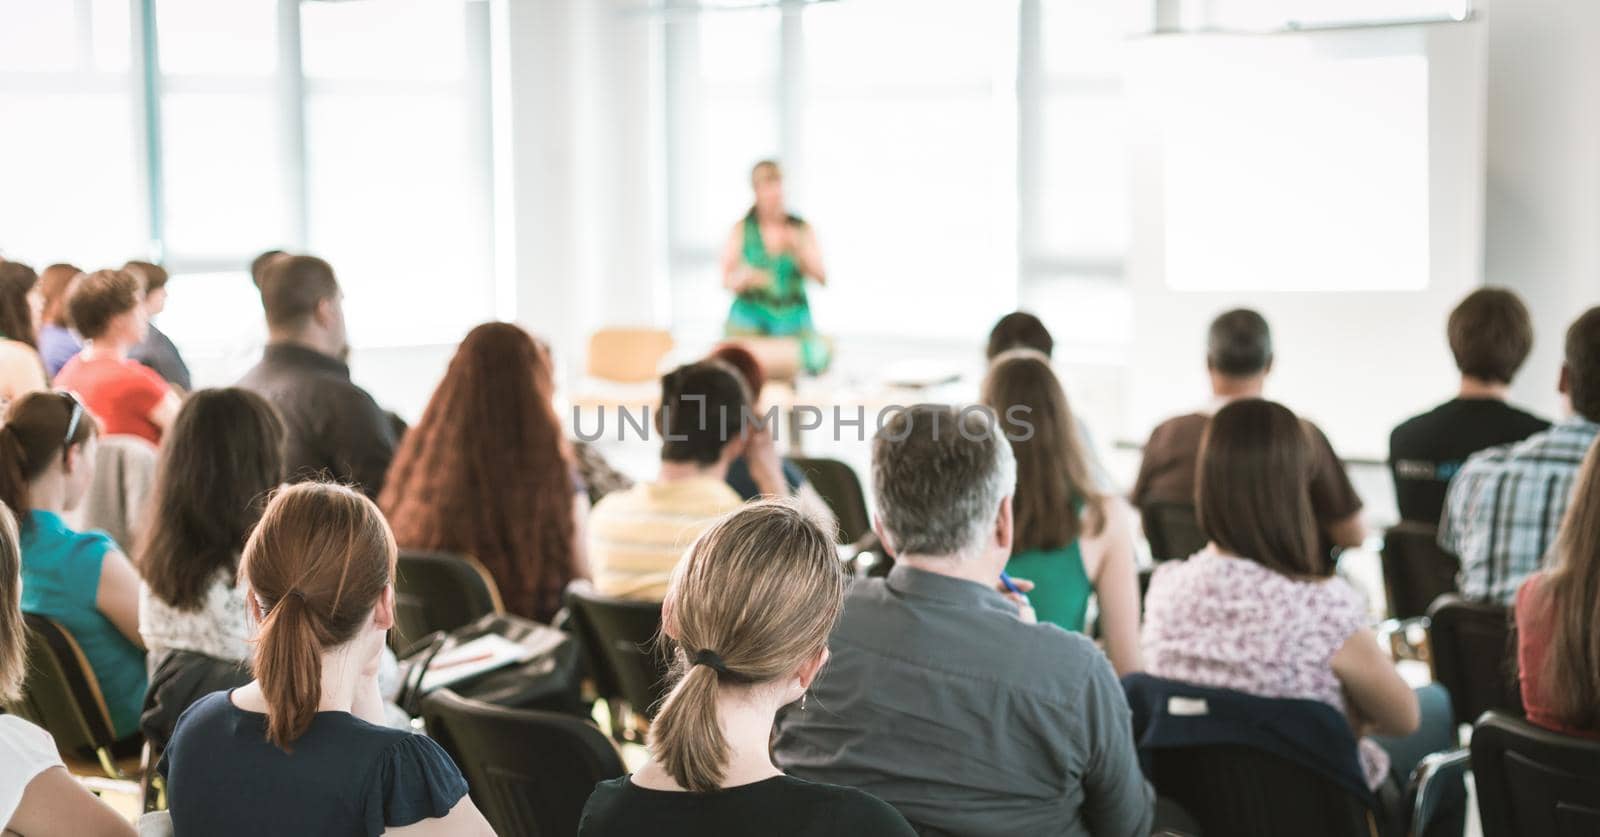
x: 218, y: 629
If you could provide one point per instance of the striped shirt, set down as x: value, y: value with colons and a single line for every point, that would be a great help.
x: 637, y: 535
x: 1505, y: 506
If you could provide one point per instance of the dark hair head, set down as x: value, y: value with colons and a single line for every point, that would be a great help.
x: 293, y: 286
x: 316, y: 565
x: 17, y: 280
x: 1490, y: 335
x: 37, y: 431
x: 745, y: 363
x: 761, y: 590
x: 258, y: 265
x: 153, y: 276
x: 1253, y: 487
x: 1019, y: 330
x: 13, y: 635
x: 1239, y: 344
x: 222, y: 457
x: 1583, y: 364
x: 1052, y: 474
x: 100, y: 297
x: 487, y: 471
x: 939, y: 474
x: 703, y: 408
x: 55, y: 282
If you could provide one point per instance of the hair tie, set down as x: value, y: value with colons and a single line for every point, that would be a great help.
x: 710, y: 659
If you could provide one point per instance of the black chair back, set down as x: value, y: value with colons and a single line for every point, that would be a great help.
x: 1474, y: 656
x: 440, y: 591
x: 618, y: 637
x: 838, y: 484
x: 62, y: 694
x: 1172, y: 529
x: 1416, y: 570
x: 1534, y: 781
x: 530, y: 772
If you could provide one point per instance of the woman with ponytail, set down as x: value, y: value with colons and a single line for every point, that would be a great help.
x: 79, y: 579
x: 301, y: 749
x: 747, y: 614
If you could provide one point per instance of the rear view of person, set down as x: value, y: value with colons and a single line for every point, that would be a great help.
x: 57, y: 343
x: 487, y: 472
x: 748, y: 616
x: 38, y: 798
x: 130, y: 399
x: 301, y: 750
x: 81, y: 580
x: 21, y: 304
x: 157, y: 350
x: 1490, y: 336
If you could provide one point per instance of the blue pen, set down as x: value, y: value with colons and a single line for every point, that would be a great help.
x: 1005, y: 579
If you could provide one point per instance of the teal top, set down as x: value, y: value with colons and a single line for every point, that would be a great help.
x: 779, y: 309
x: 60, y: 579
x: 1061, y: 586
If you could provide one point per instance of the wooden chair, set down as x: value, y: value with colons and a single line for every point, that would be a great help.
x: 627, y: 355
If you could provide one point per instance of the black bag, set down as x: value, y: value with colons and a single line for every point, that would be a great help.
x: 550, y: 681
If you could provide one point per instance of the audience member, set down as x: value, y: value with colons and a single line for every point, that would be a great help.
x: 1238, y: 357
x: 222, y: 458
x: 57, y: 343
x: 638, y: 535
x: 1504, y: 507
x: 755, y: 379
x: 1490, y: 335
x: 1021, y: 330
x: 1070, y: 540
x: 336, y: 430
x: 107, y: 307
x: 938, y: 698
x: 79, y: 579
x: 487, y: 472
x: 302, y: 749
x: 1558, y: 611
x: 1258, y: 611
x: 21, y: 301
x: 748, y: 615
x: 157, y: 350
x: 38, y: 798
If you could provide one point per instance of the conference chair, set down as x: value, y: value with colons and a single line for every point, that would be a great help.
x: 839, y: 486
x: 1470, y: 646
x: 530, y: 772
x: 1416, y: 570
x: 440, y: 591
x: 1532, y: 780
x: 1249, y: 766
x: 1436, y: 796
x: 62, y: 695
x: 618, y: 637
x: 1172, y: 529
x: 627, y: 355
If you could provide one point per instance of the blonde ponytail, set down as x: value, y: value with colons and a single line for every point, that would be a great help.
x: 753, y: 600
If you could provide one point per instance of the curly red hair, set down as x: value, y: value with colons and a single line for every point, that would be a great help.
x: 488, y: 471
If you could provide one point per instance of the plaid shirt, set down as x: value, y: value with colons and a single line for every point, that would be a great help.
x: 1505, y: 506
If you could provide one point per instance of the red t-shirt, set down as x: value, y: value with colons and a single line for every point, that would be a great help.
x: 1533, y: 640
x: 120, y: 393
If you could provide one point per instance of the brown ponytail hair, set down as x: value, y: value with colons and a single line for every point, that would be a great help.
x: 1571, y: 594
x: 753, y: 600
x: 34, y: 433
x: 315, y: 567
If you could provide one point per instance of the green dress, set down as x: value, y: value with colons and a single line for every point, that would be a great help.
x: 779, y: 309
x: 1061, y: 586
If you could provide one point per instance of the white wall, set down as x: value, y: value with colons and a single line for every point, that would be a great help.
x: 1543, y: 207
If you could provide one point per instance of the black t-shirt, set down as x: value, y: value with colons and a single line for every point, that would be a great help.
x: 1427, y: 450
x: 782, y: 806
x: 345, y: 777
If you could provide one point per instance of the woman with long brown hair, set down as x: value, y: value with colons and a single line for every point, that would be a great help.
x: 1558, y: 619
x: 747, y: 616
x: 21, y: 300
x: 1257, y: 611
x: 301, y: 749
x: 487, y: 472
x: 1070, y: 540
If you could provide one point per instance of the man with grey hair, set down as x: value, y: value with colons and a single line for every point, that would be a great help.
x: 939, y: 698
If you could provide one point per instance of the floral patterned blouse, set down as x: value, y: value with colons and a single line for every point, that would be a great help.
x: 1230, y: 623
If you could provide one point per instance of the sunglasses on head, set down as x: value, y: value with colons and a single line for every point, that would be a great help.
x: 75, y: 417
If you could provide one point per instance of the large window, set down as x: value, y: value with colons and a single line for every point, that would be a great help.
x: 201, y: 133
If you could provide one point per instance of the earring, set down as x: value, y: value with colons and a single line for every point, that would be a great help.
x: 803, y: 701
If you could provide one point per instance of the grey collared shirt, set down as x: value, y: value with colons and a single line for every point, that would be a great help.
x: 939, y: 701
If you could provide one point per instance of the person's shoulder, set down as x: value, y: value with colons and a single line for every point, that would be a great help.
x: 1419, y: 425
x: 1531, y: 595
x: 16, y: 351
x: 1178, y: 426
x: 203, y: 714
x: 24, y: 740
x: 850, y: 810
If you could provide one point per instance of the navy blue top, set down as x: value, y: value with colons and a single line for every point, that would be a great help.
x: 740, y: 480
x: 345, y: 776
